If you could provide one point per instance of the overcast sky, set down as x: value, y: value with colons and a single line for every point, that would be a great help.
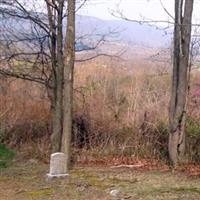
x: 135, y: 9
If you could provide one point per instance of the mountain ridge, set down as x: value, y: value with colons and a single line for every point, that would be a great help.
x: 129, y: 32
x: 94, y: 28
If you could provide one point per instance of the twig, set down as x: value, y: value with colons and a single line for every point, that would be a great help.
x: 128, y: 166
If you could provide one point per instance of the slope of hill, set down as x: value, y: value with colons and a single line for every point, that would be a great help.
x: 124, y: 31
x: 92, y: 28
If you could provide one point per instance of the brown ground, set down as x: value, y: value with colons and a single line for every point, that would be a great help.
x: 27, y: 182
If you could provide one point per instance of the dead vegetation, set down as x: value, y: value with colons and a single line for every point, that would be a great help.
x: 120, y: 111
x: 27, y: 181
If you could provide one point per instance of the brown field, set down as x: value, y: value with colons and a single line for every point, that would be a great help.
x: 27, y: 182
x: 122, y: 106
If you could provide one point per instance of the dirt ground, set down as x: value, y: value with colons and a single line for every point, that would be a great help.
x: 27, y: 182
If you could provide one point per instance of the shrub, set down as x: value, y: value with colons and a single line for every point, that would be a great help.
x: 6, y: 156
x: 193, y: 139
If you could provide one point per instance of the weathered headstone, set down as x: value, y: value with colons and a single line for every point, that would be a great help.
x: 57, y: 166
x: 114, y: 193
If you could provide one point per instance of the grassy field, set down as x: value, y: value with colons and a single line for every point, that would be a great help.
x: 27, y: 182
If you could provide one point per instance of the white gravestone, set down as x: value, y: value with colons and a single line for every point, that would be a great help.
x: 57, y: 166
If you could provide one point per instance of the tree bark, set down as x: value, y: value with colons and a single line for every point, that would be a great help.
x: 69, y: 53
x: 178, y: 103
x: 56, y: 48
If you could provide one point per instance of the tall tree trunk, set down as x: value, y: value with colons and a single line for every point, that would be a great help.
x: 55, y: 17
x: 58, y: 126
x: 56, y: 122
x: 178, y: 103
x: 68, y: 81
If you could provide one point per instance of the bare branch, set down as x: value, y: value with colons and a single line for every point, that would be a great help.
x: 23, y: 76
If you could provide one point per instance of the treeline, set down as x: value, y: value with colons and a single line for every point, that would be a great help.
x: 45, y: 54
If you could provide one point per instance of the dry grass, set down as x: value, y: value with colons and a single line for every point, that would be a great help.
x: 127, y: 108
x: 121, y: 109
x: 27, y: 181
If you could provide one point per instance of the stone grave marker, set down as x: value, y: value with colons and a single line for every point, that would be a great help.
x: 57, y: 166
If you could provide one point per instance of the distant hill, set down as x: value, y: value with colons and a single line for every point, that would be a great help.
x: 92, y: 28
x: 126, y: 31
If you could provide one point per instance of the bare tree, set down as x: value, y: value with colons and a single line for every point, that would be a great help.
x: 178, y: 103
x: 37, y: 40
x: 69, y: 54
x: 55, y: 12
x: 40, y: 46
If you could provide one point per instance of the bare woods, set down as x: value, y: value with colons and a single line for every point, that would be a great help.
x: 105, y: 105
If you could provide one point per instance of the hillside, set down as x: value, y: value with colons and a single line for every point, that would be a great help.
x: 92, y: 28
x: 125, y: 31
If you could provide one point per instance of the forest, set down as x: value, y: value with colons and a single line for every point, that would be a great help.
x: 96, y: 108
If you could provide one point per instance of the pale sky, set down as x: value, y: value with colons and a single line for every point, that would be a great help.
x: 135, y: 9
